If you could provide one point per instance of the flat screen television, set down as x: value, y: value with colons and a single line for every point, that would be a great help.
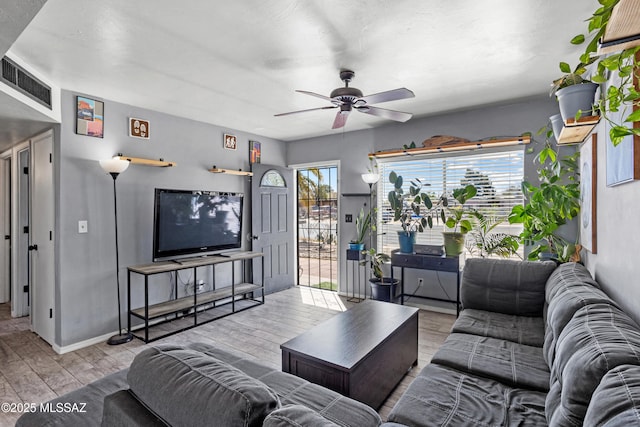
x: 195, y: 223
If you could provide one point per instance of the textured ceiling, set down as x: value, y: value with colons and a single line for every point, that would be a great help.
x: 237, y: 63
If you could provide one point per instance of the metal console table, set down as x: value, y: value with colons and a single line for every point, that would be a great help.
x: 426, y: 262
x: 199, y: 304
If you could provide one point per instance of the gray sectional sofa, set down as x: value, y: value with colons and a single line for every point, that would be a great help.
x: 535, y: 345
x: 201, y: 385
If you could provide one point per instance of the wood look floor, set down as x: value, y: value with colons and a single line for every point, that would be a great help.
x: 31, y: 372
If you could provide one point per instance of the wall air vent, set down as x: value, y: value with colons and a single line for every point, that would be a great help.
x: 21, y: 80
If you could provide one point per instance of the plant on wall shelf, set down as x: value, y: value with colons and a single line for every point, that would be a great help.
x: 619, y: 69
x: 550, y: 205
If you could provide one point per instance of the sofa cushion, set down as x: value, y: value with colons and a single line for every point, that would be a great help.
x: 187, y: 387
x: 616, y: 401
x: 519, y: 329
x: 598, y: 338
x: 122, y: 409
x: 90, y: 414
x: 505, y: 286
x: 513, y: 364
x: 442, y: 396
x: 570, y: 273
x: 293, y: 390
x: 567, y: 299
x: 296, y: 416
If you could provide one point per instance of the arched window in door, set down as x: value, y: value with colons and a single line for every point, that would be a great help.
x: 272, y: 178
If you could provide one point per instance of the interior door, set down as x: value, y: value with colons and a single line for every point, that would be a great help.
x: 273, y: 222
x: 42, y: 247
x: 21, y: 298
x: 5, y: 226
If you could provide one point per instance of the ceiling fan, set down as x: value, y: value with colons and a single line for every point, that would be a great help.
x: 349, y: 98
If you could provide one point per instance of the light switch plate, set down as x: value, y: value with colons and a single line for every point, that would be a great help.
x: 83, y: 226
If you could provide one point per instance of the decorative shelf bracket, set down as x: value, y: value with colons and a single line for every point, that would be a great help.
x: 147, y: 162
x: 240, y: 172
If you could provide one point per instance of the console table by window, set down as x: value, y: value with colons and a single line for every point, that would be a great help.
x: 193, y: 310
x: 426, y: 262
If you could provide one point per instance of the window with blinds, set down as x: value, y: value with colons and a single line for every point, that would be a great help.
x: 497, y: 175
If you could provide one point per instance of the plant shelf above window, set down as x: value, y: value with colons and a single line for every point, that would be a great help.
x: 462, y: 146
x: 623, y: 28
x: 575, y: 131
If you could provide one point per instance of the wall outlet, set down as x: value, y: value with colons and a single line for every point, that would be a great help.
x: 83, y: 226
x: 348, y: 218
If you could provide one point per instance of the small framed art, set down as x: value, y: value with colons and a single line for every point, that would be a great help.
x: 89, y: 117
x: 139, y: 128
x: 254, y: 152
x: 230, y: 141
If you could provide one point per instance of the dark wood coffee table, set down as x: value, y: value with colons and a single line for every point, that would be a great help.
x: 362, y: 353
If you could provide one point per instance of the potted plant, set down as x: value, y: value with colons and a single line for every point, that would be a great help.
x: 382, y: 288
x: 407, y: 208
x: 363, y: 224
x: 454, y: 218
x: 575, y: 94
x: 551, y: 204
x: 485, y: 241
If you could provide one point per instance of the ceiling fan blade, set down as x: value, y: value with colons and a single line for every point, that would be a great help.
x: 304, y: 111
x: 340, y: 120
x: 317, y: 95
x: 398, y: 116
x: 390, y: 95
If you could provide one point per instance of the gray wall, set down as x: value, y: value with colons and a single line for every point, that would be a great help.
x: 86, y: 298
x: 352, y: 148
x: 615, y: 266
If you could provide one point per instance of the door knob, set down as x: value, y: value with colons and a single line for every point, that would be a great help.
x: 33, y: 247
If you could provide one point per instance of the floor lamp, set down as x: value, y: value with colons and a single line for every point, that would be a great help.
x: 115, y: 167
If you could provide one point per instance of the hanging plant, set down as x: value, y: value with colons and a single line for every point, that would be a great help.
x: 619, y: 69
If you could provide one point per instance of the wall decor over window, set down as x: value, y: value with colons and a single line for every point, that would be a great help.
x: 139, y: 128
x: 230, y: 141
x: 254, y: 152
x: 588, y: 201
x: 89, y: 117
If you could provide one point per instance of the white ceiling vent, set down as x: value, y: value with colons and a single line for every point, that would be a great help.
x: 23, y: 81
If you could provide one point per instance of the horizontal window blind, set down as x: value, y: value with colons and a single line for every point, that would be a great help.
x: 497, y: 175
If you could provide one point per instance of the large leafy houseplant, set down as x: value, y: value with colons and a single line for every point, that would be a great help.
x: 382, y: 288
x: 455, y: 218
x: 551, y: 204
x: 408, y: 208
x: 620, y: 69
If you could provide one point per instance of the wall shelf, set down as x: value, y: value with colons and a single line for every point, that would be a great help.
x: 518, y: 140
x: 240, y: 172
x: 147, y: 162
x: 355, y: 194
x: 575, y: 131
x: 622, y: 29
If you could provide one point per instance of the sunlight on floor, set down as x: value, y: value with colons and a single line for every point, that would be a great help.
x: 320, y: 298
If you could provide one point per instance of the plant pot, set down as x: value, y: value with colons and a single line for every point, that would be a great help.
x: 576, y: 97
x: 453, y: 243
x: 356, y: 246
x: 406, y: 240
x: 384, y: 289
x: 556, y: 124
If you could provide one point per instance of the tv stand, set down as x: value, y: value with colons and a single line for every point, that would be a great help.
x: 202, y: 307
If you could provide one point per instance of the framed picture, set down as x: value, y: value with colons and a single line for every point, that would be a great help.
x: 230, y: 142
x: 89, y: 117
x: 623, y: 160
x: 139, y: 128
x: 254, y: 152
x: 588, y: 200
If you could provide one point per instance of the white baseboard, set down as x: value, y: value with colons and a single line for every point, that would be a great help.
x: 82, y: 344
